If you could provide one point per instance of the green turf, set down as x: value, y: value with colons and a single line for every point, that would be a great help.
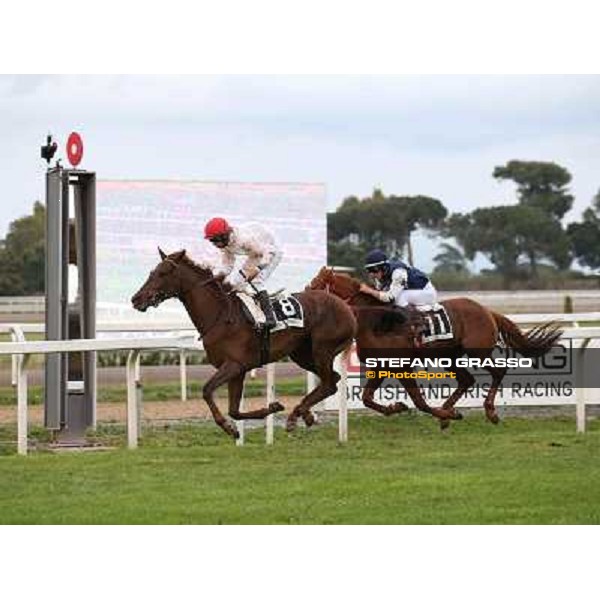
x: 397, y: 470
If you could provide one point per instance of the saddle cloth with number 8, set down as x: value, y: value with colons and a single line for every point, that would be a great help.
x: 286, y: 307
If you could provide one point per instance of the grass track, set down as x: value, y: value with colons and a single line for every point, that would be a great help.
x: 400, y: 470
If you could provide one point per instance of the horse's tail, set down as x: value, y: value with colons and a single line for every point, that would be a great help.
x: 532, y: 344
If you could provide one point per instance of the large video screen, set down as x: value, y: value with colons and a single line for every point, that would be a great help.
x: 135, y: 217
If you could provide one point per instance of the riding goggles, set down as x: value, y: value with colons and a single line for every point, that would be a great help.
x: 222, y: 238
x: 374, y: 268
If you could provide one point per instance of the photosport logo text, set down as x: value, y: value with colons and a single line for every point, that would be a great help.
x: 426, y: 375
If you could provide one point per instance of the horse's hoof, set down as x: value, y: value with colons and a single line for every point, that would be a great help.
x: 400, y: 407
x: 454, y: 414
x: 229, y: 429
x: 276, y: 407
x: 309, y: 419
x: 441, y: 414
x: 493, y: 418
x: 444, y: 424
x: 290, y: 426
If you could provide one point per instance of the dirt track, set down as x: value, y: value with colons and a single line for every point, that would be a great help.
x: 167, y: 374
x: 115, y: 412
x: 152, y: 411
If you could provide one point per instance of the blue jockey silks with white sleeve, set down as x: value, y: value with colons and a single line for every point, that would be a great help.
x: 414, y: 278
x: 404, y: 284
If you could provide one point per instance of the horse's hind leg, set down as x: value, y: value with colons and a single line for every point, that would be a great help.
x: 368, y: 396
x: 303, y: 357
x: 236, y: 387
x: 465, y: 381
x: 320, y: 362
x: 497, y: 374
x: 326, y: 387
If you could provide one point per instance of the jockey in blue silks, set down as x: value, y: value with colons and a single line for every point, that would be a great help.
x: 396, y: 282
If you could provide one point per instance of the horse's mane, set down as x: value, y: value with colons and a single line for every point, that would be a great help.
x: 200, y: 266
x: 355, y: 282
x: 205, y: 268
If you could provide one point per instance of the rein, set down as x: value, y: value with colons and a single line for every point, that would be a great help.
x: 204, y: 283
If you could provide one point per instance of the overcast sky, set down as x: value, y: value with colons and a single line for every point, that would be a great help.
x: 434, y: 135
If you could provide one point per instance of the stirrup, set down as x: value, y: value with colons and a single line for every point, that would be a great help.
x: 268, y: 324
x: 262, y: 328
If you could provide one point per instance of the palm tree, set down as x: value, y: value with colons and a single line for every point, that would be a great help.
x: 450, y: 259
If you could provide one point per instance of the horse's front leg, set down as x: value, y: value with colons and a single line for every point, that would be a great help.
x: 227, y: 371
x: 368, y: 399
x: 236, y: 387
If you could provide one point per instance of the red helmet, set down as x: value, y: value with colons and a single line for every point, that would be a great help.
x: 216, y: 227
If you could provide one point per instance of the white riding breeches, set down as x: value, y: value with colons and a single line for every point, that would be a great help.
x: 428, y: 295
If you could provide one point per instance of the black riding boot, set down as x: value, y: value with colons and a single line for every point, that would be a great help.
x: 417, y: 320
x: 265, y: 304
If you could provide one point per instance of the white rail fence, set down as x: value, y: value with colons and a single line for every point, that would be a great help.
x: 19, y: 331
x: 184, y: 340
x: 22, y: 304
x: 23, y: 350
x: 531, y: 301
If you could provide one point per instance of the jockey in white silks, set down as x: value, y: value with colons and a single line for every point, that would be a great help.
x: 396, y: 282
x: 262, y: 252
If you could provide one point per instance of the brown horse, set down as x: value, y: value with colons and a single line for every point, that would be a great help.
x: 232, y: 344
x: 476, y: 329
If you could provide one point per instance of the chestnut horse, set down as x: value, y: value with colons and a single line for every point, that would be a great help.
x: 232, y: 344
x: 476, y: 330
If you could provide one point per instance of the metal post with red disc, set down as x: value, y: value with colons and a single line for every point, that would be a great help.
x: 74, y: 149
x: 70, y: 392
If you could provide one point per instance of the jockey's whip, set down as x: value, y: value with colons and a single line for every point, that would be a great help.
x: 248, y: 281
